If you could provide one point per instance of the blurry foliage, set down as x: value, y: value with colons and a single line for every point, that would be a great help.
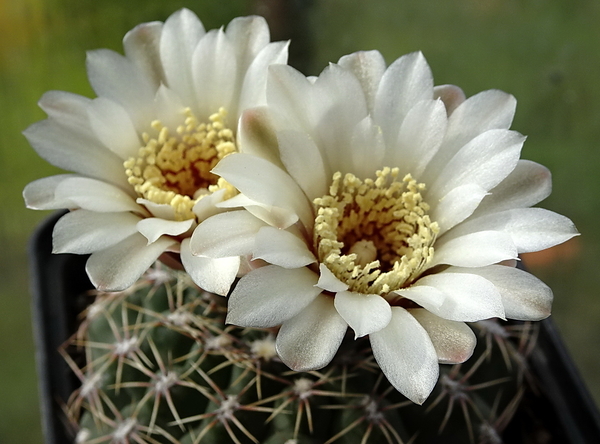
x: 543, y: 52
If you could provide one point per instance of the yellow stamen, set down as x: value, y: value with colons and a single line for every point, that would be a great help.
x: 374, y: 235
x: 175, y: 169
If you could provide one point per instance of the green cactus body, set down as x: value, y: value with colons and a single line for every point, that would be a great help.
x: 158, y: 365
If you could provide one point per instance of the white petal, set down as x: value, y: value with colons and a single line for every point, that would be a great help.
x: 248, y: 35
x: 213, y: 275
x: 163, y: 211
x: 66, y: 139
x: 339, y: 104
x: 214, y: 67
x: 268, y: 296
x: 366, y: 150
x: 406, y: 356
x: 170, y: 109
x: 454, y: 341
x: 364, y: 313
x: 406, y: 81
x: 474, y: 249
x: 303, y: 160
x: 531, y: 229
x: 273, y: 216
x: 207, y: 206
x: 95, y: 195
x: 119, y: 267
x: 451, y: 95
x: 282, y: 248
x: 310, y: 339
x: 116, y: 78
x: 114, y: 128
x: 263, y: 182
x: 482, y: 112
x: 328, y: 281
x: 419, y: 137
x: 524, y: 296
x: 485, y: 161
x: 226, y: 234
x: 456, y: 206
x: 153, y: 228
x: 368, y: 67
x: 83, y: 232
x: 142, y: 47
x: 40, y: 194
x: 254, y: 87
x: 257, y: 136
x: 467, y: 297
x: 527, y: 185
x: 181, y: 33
x: 289, y: 95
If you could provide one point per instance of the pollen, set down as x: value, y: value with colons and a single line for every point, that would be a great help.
x: 374, y: 235
x: 173, y: 168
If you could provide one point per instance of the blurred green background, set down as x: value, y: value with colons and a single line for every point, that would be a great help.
x: 544, y: 52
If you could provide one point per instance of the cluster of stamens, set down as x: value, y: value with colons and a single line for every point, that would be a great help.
x: 374, y: 235
x: 174, y: 169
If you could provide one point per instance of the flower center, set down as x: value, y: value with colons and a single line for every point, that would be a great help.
x: 374, y: 235
x: 174, y: 169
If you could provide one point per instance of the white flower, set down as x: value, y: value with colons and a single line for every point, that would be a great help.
x: 142, y: 151
x: 383, y: 203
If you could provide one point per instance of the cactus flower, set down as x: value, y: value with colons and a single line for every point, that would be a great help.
x: 142, y: 151
x: 372, y: 199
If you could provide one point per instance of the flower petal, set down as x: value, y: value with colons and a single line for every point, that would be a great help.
x: 83, y: 232
x: 467, y: 296
x: 482, y: 112
x: 456, y: 206
x: 213, y: 275
x: 364, y: 313
x: 115, y: 78
x: 263, y: 182
x: 531, y: 229
x: 406, y: 81
x: 214, y: 68
x: 304, y: 162
x: 257, y: 135
x: 485, y: 161
x: 524, y: 296
x: 368, y: 67
x: 406, y: 356
x: 282, y: 248
x: 40, y: 194
x: 254, y: 86
x: 527, y: 185
x: 309, y: 340
x: 153, y: 228
x: 142, y: 47
x: 328, y: 281
x: 67, y: 141
x: 451, y: 95
x: 419, y: 137
x: 454, y: 342
x: 118, y: 267
x: 114, y: 128
x: 474, y: 249
x: 269, y: 296
x: 95, y: 195
x: 181, y: 33
x: 226, y: 234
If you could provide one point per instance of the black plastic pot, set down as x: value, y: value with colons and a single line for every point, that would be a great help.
x: 562, y: 412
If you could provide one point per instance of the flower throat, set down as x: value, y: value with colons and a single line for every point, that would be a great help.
x: 175, y: 169
x: 374, y: 235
